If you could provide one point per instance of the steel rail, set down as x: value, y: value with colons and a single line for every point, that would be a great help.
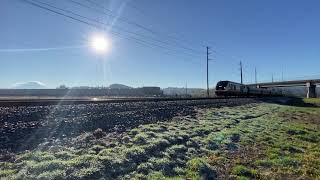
x: 47, y: 102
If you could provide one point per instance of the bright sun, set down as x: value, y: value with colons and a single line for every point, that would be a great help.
x: 100, y: 43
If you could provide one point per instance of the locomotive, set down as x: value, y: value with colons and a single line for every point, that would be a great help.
x: 228, y: 88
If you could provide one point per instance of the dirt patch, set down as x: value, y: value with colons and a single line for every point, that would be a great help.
x: 243, y: 155
x: 300, y: 117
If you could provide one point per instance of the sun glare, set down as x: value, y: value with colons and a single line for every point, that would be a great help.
x: 100, y: 43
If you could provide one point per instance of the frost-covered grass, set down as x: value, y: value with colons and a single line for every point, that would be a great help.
x: 246, y: 142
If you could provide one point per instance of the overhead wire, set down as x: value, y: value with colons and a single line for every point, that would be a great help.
x: 169, y: 39
x: 104, y: 24
x: 97, y: 24
x: 174, y: 35
x: 110, y: 13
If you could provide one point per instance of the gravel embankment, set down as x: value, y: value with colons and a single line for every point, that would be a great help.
x: 25, y: 127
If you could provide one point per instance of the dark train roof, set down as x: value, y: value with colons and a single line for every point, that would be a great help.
x: 224, y: 83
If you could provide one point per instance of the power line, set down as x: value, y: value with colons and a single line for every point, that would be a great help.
x: 128, y: 21
x: 110, y: 14
x: 124, y: 19
x: 97, y: 24
x: 150, y: 30
x: 104, y: 24
x: 175, y: 36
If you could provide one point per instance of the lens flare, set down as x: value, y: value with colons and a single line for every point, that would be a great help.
x: 100, y: 43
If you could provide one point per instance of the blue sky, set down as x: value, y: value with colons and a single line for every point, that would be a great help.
x: 273, y: 36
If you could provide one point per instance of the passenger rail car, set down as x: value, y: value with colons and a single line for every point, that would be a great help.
x: 228, y: 88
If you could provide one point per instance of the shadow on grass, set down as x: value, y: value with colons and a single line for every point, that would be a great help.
x: 289, y: 101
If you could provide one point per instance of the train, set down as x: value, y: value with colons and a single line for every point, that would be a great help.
x: 229, y: 88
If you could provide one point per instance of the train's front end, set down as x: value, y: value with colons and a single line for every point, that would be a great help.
x: 222, y: 88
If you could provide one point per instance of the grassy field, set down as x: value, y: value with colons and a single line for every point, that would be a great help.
x: 255, y: 141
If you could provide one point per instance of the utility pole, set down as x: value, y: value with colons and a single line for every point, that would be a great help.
x: 272, y: 77
x: 208, y: 93
x: 255, y: 75
x: 186, y: 89
x: 241, y: 72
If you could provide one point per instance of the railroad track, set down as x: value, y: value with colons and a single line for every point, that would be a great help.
x: 62, y: 101
x: 27, y: 121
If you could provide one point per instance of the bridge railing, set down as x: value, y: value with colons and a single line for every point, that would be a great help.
x: 277, y: 79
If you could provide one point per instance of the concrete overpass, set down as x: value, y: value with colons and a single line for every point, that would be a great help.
x: 311, y: 85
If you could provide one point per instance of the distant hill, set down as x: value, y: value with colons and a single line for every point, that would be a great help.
x: 119, y: 86
x: 30, y: 85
